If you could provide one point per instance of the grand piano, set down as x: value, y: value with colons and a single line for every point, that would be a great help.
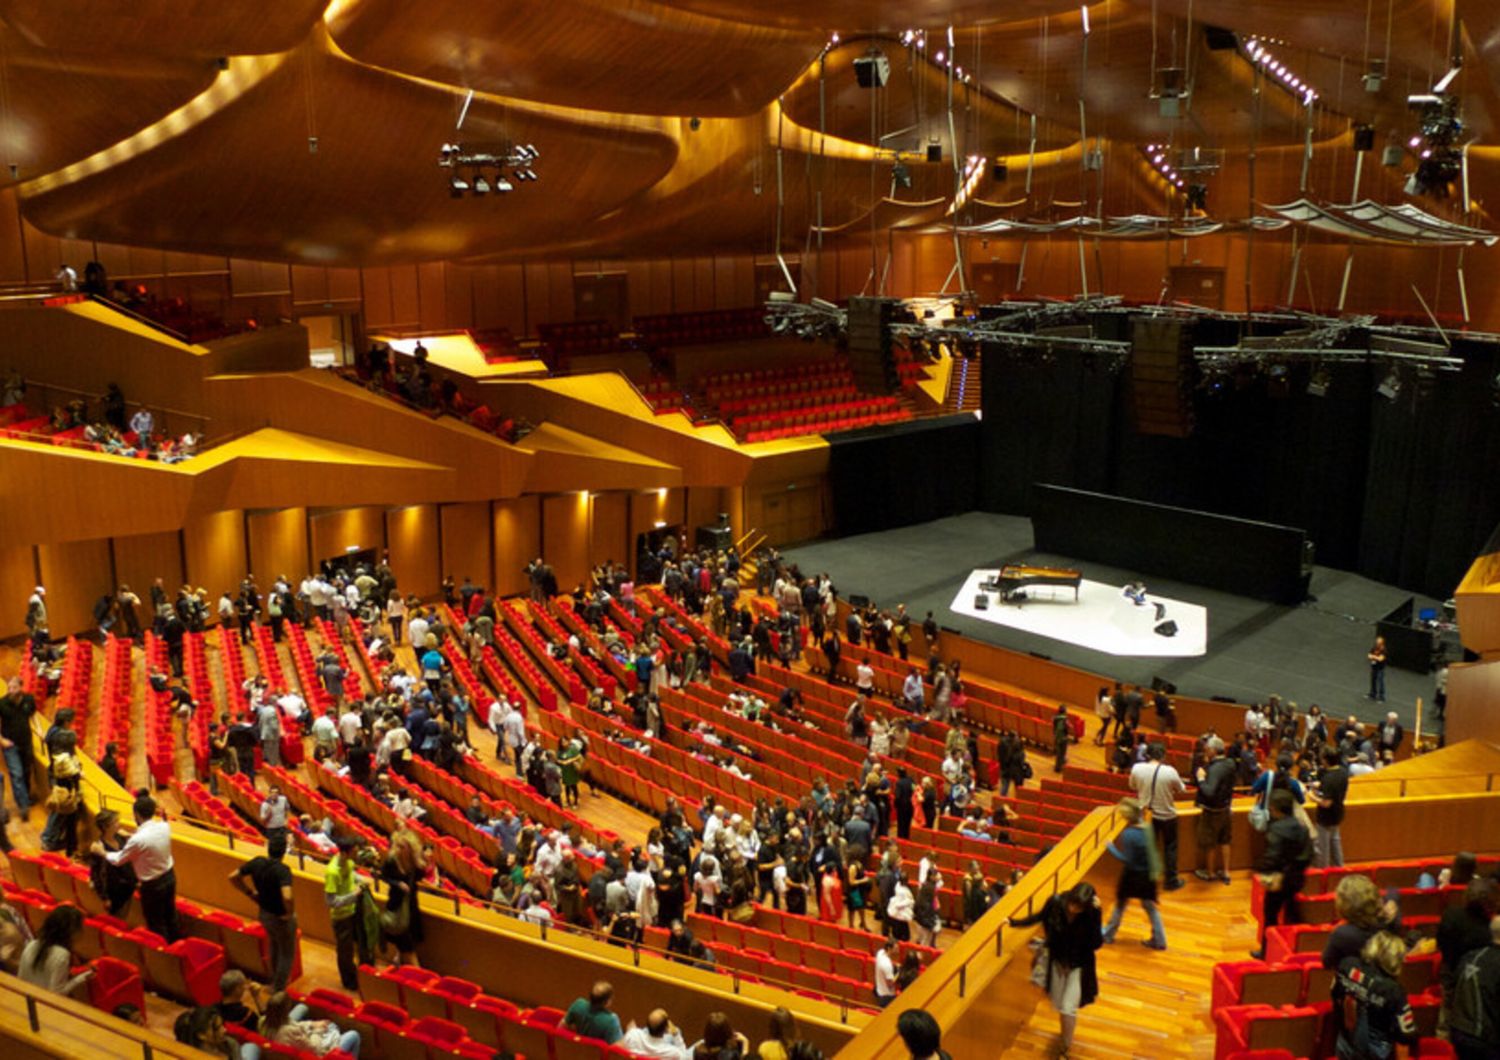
x: 1017, y: 576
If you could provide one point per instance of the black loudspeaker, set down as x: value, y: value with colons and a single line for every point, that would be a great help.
x: 871, y: 71
x: 1219, y: 39
x: 934, y: 152
x: 1161, y: 366
x: 1167, y: 628
x: 1364, y: 137
x: 718, y: 538
x: 981, y: 601
x: 856, y: 600
x: 1000, y: 171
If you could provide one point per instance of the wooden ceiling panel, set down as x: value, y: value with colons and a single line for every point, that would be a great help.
x: 164, y: 27
x: 62, y: 106
x: 633, y: 56
x: 243, y: 181
x: 849, y: 17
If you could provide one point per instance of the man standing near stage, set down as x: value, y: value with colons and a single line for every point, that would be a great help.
x: 1157, y: 785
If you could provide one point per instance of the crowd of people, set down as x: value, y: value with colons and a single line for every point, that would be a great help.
x: 413, y: 381
x: 106, y: 426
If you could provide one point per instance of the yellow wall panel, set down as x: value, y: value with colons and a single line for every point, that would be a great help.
x: 76, y: 574
x: 518, y: 541
x: 608, y: 536
x: 565, y: 537
x: 466, y: 542
x: 214, y: 547
x: 411, y: 539
x: 142, y: 558
x: 349, y: 529
x: 17, y: 579
x: 278, y: 544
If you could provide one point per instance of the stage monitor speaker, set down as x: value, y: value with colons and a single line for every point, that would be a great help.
x: 981, y: 601
x: 717, y: 538
x: 1161, y: 363
x: 856, y: 600
x: 1161, y: 610
x: 1364, y: 137
x: 999, y: 171
x: 1167, y: 628
x: 934, y: 152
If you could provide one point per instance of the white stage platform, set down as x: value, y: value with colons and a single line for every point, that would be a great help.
x: 1102, y: 618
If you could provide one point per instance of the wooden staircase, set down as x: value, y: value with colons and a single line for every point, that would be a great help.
x: 1153, y: 1004
x: 964, y: 388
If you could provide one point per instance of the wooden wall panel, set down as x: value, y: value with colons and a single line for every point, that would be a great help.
x: 465, y: 530
x: 278, y: 544
x: 17, y: 579
x: 214, y: 547
x: 376, y: 287
x: 309, y: 285
x: 649, y: 507
x: 411, y: 537
x: 518, y: 541
x: 608, y: 536
x: 682, y: 285
x: 76, y: 574
x: 458, y: 294
x: 405, y: 305
x: 343, y: 285
x: 349, y: 529
x: 702, y: 506
x: 12, y: 258
x: 142, y: 558
x: 538, y: 296
x: 661, y: 285
x: 703, y: 284
x: 43, y: 254
x: 432, y: 298
x: 565, y: 537
x: 559, y: 293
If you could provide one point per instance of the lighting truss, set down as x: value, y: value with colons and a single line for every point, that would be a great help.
x: 809, y: 321
x: 486, y: 168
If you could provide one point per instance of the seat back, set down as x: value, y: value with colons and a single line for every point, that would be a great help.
x: 1295, y: 1030
x: 1276, y: 986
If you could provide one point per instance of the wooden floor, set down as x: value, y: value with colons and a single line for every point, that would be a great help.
x: 1151, y: 1004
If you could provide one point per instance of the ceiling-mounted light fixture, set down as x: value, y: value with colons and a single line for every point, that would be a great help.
x: 1390, y: 386
x: 519, y: 158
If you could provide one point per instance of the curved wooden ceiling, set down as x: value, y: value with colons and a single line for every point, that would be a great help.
x: 658, y: 120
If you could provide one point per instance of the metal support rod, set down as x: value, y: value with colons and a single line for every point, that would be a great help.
x: 958, y: 178
x: 1083, y: 268
x: 1426, y: 309
x: 1344, y: 286
x: 1021, y: 269
x: 1463, y: 287
x: 1031, y: 155
x: 1291, y: 289
x: 786, y: 271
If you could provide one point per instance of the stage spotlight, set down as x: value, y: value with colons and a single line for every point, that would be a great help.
x: 481, y: 186
x: 1197, y: 197
x: 1318, y: 382
x: 501, y: 184
x: 1390, y: 386
x: 457, y: 186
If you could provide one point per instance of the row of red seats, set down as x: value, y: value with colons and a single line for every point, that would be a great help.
x: 622, y: 676
x: 806, y: 399
x: 247, y: 799
x: 318, y: 698
x: 197, y: 801
x: 161, y: 732
x: 499, y: 678
x: 1319, y: 908
x: 114, y: 700
x: 680, y: 329
x: 657, y: 597
x: 583, y: 336
x: 200, y: 686
x: 789, y: 972
x: 762, y: 376
x: 527, y: 635
x: 552, y: 633
x: 475, y: 777
x: 1402, y: 872
x: 821, y: 956
x: 847, y: 423
x: 402, y: 999
x: 374, y: 666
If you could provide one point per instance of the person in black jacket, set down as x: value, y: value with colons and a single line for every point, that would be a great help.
x: 1071, y: 921
x: 1282, y: 865
x: 904, y: 809
x: 1215, y: 793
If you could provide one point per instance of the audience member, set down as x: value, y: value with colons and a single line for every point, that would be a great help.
x: 47, y: 960
x: 590, y: 1017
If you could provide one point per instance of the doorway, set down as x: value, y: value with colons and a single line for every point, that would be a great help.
x: 330, y: 339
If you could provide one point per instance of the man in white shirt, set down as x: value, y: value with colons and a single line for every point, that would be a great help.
x: 149, y: 850
x: 711, y: 827
x: 494, y: 720
x: 274, y: 810
x: 351, y: 726
x: 417, y: 630
x: 885, y: 973
x: 1157, y: 786
x: 953, y: 766
x: 659, y: 1038
x: 143, y: 423
x: 864, y: 678
x: 548, y: 856
x: 514, y: 728
x: 268, y: 718
x: 293, y: 705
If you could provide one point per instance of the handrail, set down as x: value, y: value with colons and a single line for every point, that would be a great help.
x: 934, y: 990
x: 140, y: 318
x: 100, y: 397
x: 64, y: 1010
x: 1363, y: 788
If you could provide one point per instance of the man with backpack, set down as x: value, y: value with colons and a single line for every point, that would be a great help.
x: 1474, y: 1021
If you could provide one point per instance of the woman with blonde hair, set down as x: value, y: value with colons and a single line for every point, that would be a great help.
x: 1361, y: 914
x: 1371, y: 1007
x: 1139, y: 872
x: 404, y: 867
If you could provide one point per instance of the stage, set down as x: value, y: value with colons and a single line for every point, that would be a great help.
x: 1314, y: 653
x: 1100, y: 617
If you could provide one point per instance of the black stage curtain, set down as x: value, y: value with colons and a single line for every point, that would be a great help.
x: 1045, y: 421
x: 1404, y: 492
x: 897, y: 475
